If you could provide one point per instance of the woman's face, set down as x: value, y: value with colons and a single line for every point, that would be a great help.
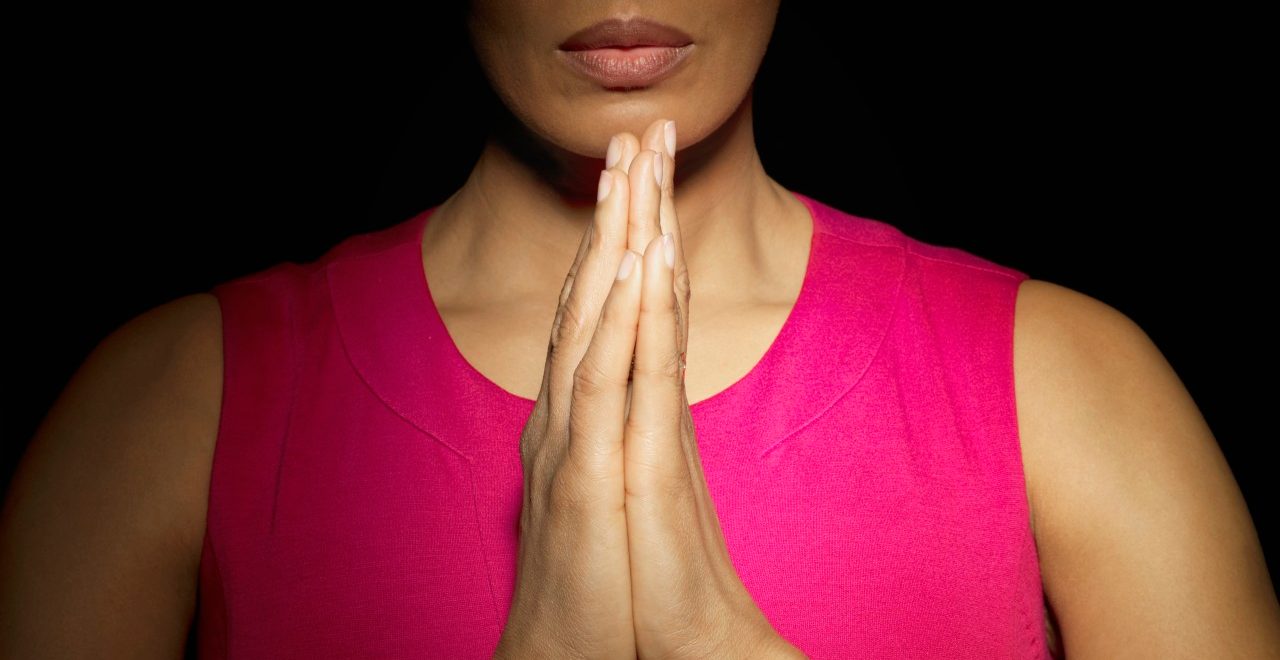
x: 576, y: 93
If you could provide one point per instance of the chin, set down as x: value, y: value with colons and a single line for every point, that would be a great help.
x: 590, y: 137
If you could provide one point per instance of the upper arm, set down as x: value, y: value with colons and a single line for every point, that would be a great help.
x: 103, y: 525
x: 1146, y: 545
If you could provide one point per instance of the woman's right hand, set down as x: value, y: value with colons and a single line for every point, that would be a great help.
x: 573, y: 587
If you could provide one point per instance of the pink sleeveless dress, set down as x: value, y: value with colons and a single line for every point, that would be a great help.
x: 366, y: 482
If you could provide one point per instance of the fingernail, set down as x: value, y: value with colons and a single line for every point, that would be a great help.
x: 615, y: 152
x: 657, y: 168
x: 669, y: 249
x: 606, y: 184
x: 669, y: 132
x: 628, y: 260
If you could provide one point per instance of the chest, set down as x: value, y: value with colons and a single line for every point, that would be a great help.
x: 869, y: 530
x: 367, y: 482
x: 507, y: 344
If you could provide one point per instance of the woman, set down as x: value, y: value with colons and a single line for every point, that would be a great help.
x: 880, y: 448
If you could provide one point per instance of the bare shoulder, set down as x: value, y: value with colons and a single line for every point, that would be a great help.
x: 1146, y: 545
x: 103, y: 524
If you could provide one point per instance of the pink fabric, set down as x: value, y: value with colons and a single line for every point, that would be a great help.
x: 366, y: 482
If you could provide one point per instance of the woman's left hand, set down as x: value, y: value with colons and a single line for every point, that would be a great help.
x: 687, y: 598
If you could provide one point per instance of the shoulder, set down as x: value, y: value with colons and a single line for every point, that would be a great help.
x: 179, y: 338
x: 1081, y: 367
x: 111, y: 492
x: 937, y: 274
x: 1131, y: 496
x: 1068, y: 336
x: 171, y: 353
x: 148, y: 394
x: 166, y: 360
x: 1084, y: 371
x: 274, y: 293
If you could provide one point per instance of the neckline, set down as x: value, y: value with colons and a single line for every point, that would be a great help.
x: 394, y: 346
x: 479, y: 380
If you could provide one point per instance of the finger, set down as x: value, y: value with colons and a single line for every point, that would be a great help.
x: 655, y: 453
x: 597, y: 415
x: 565, y: 289
x: 624, y: 153
x: 576, y: 318
x: 669, y: 224
x: 667, y: 204
x: 655, y: 137
x: 646, y: 192
x: 660, y: 136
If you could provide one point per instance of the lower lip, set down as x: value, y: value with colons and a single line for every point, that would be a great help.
x: 624, y: 68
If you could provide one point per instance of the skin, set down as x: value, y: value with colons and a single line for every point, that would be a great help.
x: 610, y: 458
x: 1146, y: 545
x: 505, y: 239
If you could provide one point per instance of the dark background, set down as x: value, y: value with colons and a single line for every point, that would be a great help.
x: 1111, y: 154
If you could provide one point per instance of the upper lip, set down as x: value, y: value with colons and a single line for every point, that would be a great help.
x: 624, y: 33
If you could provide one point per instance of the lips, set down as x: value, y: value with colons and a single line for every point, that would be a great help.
x: 626, y: 53
x: 626, y: 33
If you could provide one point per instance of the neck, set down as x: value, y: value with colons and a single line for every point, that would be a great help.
x: 511, y: 231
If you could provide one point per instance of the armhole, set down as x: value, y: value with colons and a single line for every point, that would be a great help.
x: 1013, y: 393
x: 1045, y: 614
x: 259, y: 382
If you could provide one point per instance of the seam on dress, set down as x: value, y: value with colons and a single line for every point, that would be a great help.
x: 213, y: 471
x: 296, y: 365
x: 953, y: 262
x: 888, y: 329
x: 484, y: 546
x: 1028, y: 541
x: 342, y: 340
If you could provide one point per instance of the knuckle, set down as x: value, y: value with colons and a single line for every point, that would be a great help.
x: 567, y: 492
x: 556, y: 333
x: 657, y: 486
x: 682, y: 284
x: 567, y: 288
x: 666, y: 367
x: 572, y: 276
x: 568, y: 325
x: 630, y: 145
x: 534, y: 459
x: 537, y: 483
x: 590, y: 379
x: 532, y: 436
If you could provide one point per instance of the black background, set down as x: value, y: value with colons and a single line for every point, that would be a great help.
x: 1115, y: 155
